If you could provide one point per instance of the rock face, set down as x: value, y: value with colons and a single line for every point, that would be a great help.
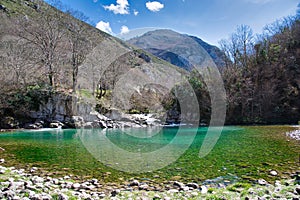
x: 57, y: 107
x: 117, y: 121
x: 62, y: 111
x: 67, y: 111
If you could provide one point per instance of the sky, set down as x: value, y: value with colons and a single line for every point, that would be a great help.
x: 210, y: 20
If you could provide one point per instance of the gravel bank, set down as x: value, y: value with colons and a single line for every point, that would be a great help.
x: 294, y: 134
x: 17, y: 184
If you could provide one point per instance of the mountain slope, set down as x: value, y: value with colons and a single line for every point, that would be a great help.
x: 47, y: 54
x: 179, y: 49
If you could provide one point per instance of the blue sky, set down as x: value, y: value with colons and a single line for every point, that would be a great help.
x: 210, y: 20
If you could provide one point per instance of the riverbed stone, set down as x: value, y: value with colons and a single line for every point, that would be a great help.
x: 144, y: 187
x: 33, y: 169
x: 262, y: 182
x: 273, y: 173
x: 63, y: 196
x: 297, y: 190
x: 203, y: 189
x: 178, y: 184
x: 76, y: 186
x: 134, y: 183
x: 18, y: 184
x: 193, y: 185
x: 37, y: 179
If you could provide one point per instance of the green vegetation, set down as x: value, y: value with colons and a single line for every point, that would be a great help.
x: 85, y: 93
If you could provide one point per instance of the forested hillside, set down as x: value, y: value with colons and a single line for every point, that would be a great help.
x: 262, y: 76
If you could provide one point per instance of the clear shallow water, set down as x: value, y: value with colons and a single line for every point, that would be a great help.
x: 247, y: 152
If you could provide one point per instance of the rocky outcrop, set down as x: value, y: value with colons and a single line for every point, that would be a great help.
x: 117, y: 120
x: 58, y: 107
x: 67, y: 111
x: 60, y: 110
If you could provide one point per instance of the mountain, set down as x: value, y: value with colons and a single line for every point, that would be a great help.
x: 179, y: 49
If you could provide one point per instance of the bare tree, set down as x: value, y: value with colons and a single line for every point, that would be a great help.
x: 298, y: 12
x: 239, y: 45
x: 18, y: 62
x: 279, y: 26
x: 80, y: 45
x: 45, y: 33
x: 244, y: 38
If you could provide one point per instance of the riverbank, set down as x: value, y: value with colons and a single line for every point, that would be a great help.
x: 295, y: 134
x: 20, y: 184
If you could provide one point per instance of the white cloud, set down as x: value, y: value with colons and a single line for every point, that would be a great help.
x: 95, y: 1
x: 154, y: 6
x: 121, y: 7
x: 104, y: 26
x: 124, y: 30
x: 135, y: 12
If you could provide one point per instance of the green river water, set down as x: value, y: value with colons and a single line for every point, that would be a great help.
x: 247, y: 153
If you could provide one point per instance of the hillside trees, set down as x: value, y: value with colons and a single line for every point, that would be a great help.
x: 239, y: 46
x: 40, y: 53
x: 45, y: 33
x: 298, y: 11
x: 17, y: 63
x: 263, y: 80
x: 79, y: 44
x: 60, y: 43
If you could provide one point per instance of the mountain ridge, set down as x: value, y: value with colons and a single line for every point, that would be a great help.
x: 182, y: 50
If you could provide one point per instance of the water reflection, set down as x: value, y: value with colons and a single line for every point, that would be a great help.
x: 122, y: 151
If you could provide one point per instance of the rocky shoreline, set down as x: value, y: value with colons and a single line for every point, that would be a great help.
x: 18, y: 184
x: 294, y: 134
x: 94, y: 119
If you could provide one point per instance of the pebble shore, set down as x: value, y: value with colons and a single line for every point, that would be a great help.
x: 294, y: 134
x: 16, y: 184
